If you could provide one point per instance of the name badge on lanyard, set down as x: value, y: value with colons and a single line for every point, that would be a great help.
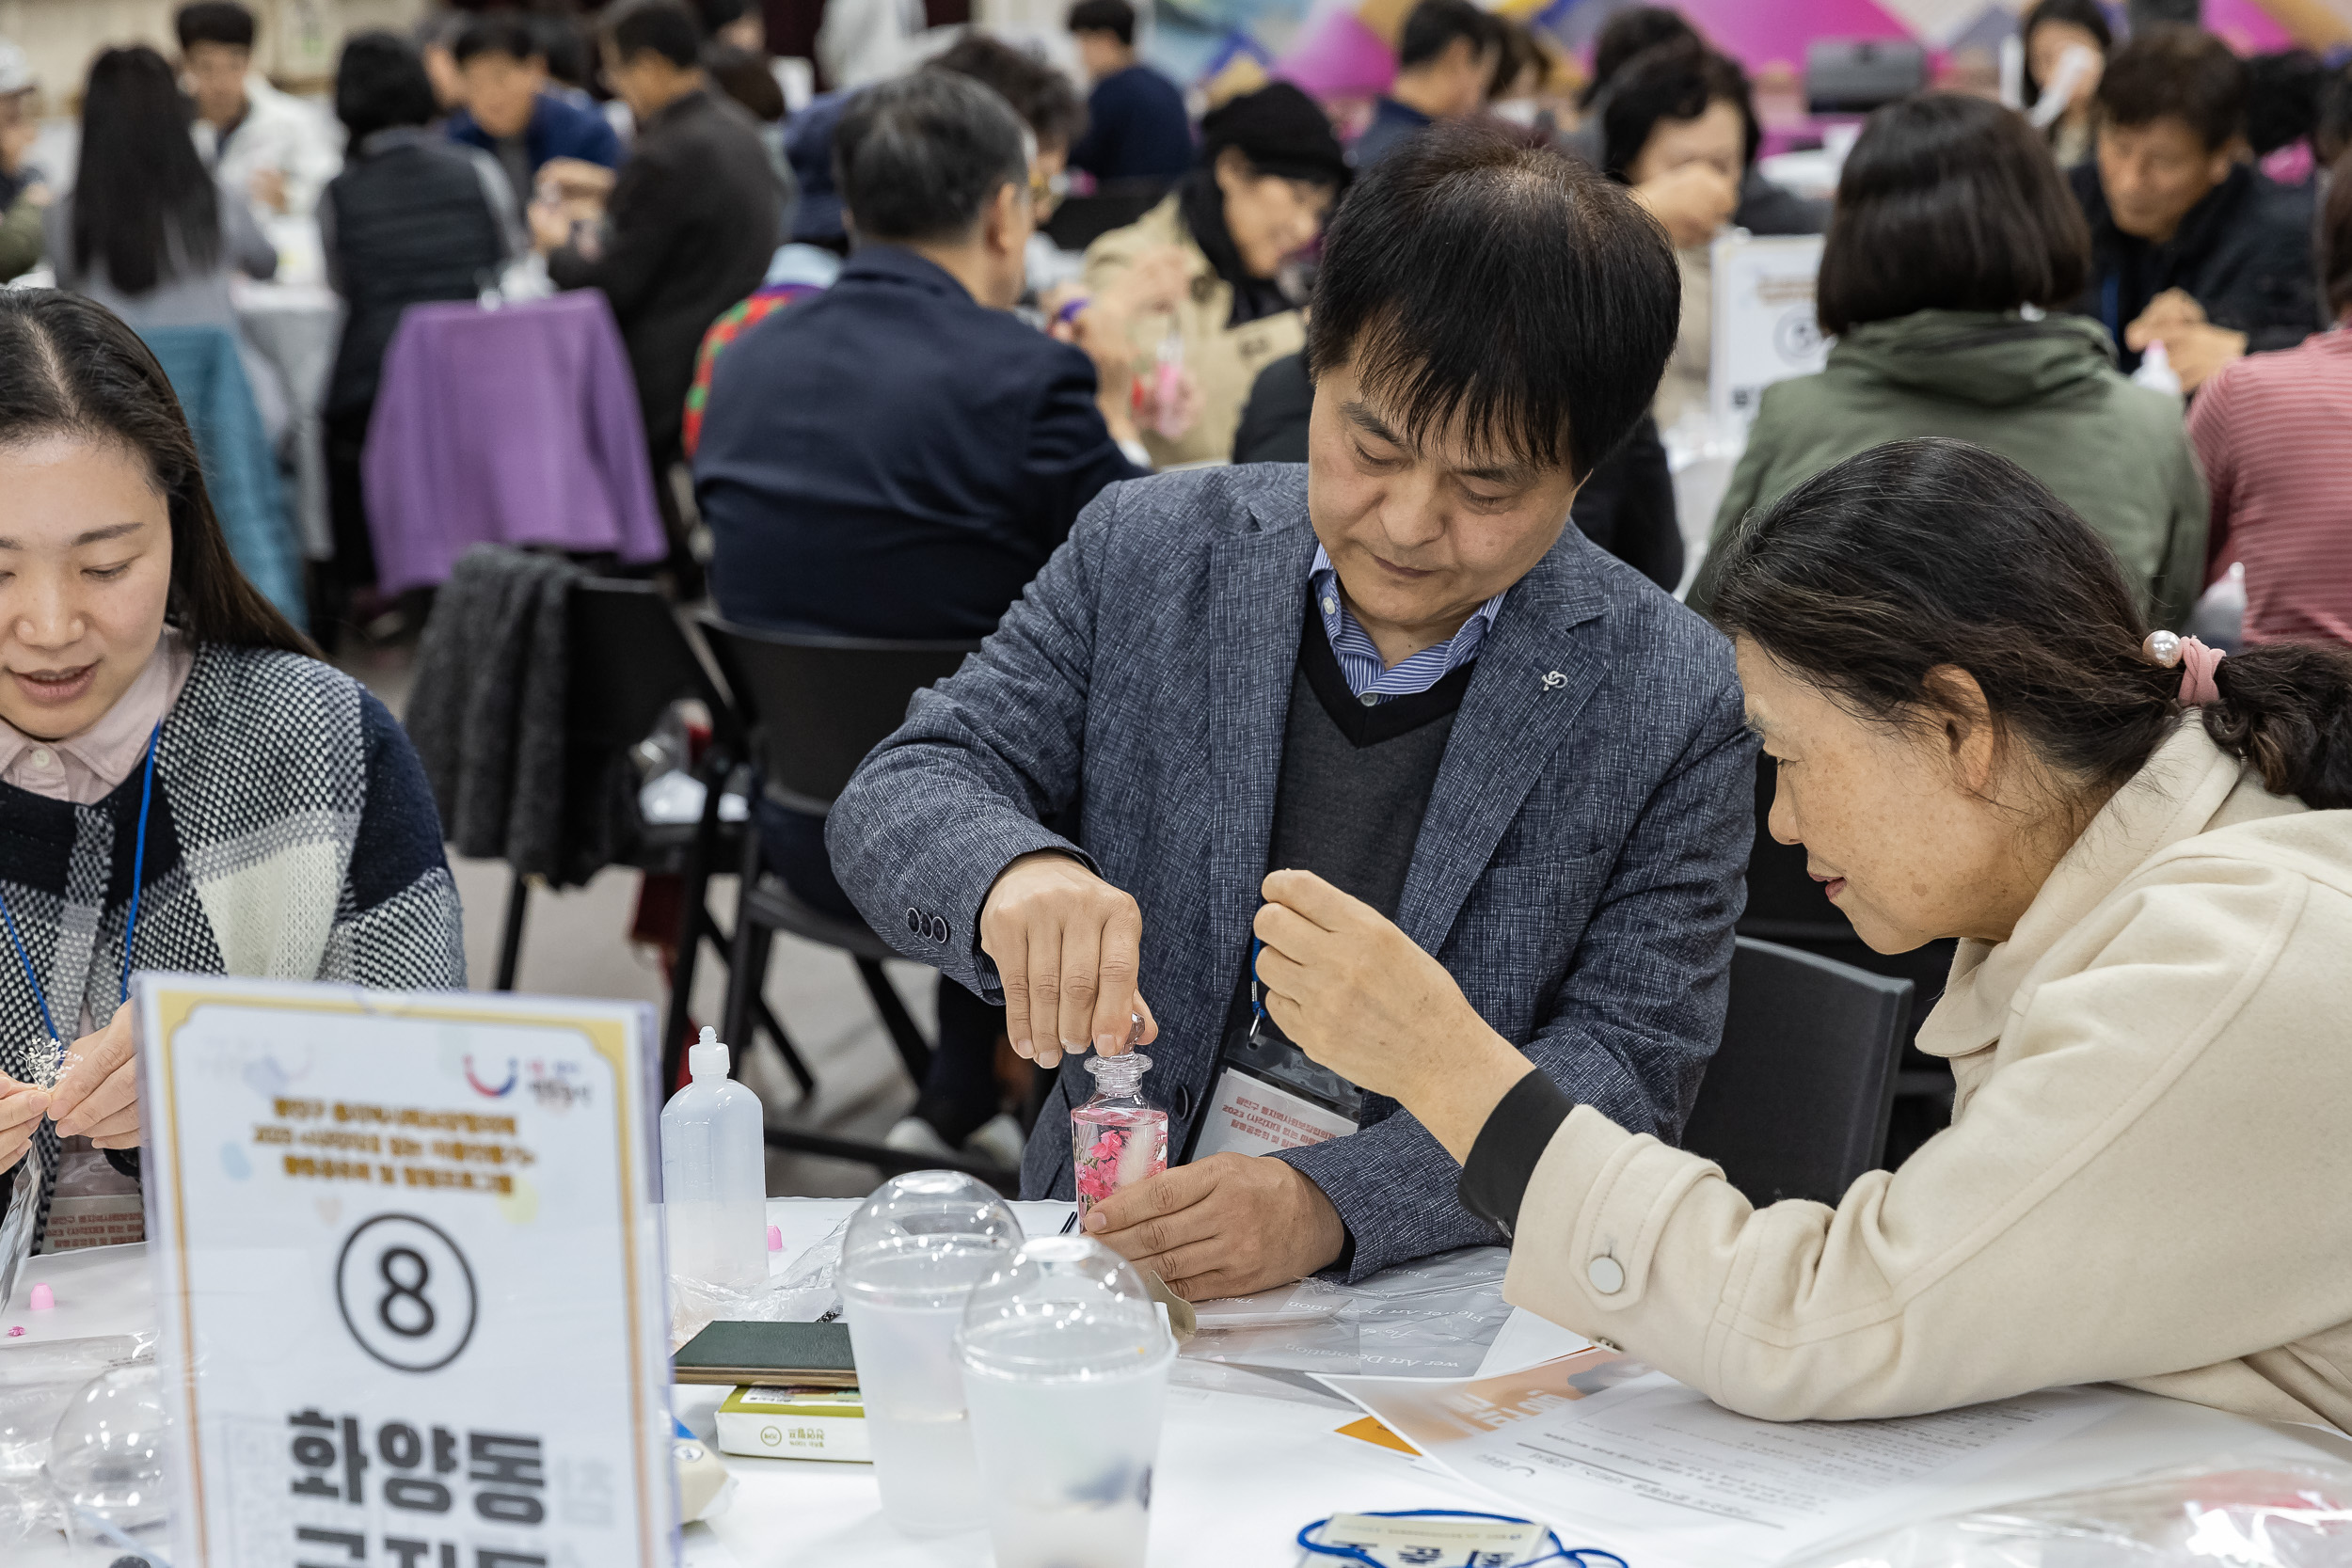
x: 1270, y: 1096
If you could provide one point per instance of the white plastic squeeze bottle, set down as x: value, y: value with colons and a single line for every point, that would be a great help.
x: 714, y: 1175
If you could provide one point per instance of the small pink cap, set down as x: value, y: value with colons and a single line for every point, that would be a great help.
x: 775, y: 1239
x: 43, y: 1298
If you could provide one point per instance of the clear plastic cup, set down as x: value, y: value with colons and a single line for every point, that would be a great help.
x: 909, y: 1260
x: 1065, y: 1367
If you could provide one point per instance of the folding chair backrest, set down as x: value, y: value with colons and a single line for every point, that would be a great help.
x: 815, y: 706
x: 1795, y: 1103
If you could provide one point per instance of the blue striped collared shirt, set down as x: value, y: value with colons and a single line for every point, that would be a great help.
x: 1359, y: 661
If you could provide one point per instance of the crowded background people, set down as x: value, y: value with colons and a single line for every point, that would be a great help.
x: 1952, y: 223
x: 1507, y: 346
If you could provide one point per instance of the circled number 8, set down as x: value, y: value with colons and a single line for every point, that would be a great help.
x: 419, y: 1315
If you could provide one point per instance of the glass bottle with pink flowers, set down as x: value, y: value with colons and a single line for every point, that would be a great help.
x: 1116, y: 1139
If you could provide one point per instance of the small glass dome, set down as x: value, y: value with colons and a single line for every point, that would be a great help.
x: 1063, y: 1309
x: 108, y: 1455
x: 923, y: 1238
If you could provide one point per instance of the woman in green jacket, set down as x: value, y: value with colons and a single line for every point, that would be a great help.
x: 1953, y: 232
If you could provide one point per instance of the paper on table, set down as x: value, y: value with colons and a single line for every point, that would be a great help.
x: 1526, y: 1340
x: 1600, y: 1444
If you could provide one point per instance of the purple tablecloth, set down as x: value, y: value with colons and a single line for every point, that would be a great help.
x: 514, y: 426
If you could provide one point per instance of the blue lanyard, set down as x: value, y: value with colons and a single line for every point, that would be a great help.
x: 1579, y: 1557
x: 130, y: 926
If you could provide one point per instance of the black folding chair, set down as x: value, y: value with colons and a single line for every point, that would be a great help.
x: 1786, y: 905
x: 812, y: 706
x: 1796, y: 1100
x: 631, y: 660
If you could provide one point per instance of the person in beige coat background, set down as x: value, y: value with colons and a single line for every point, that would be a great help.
x: 2150, y: 866
x: 1270, y: 170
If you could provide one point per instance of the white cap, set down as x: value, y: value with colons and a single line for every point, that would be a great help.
x: 707, y: 1057
x: 16, y: 71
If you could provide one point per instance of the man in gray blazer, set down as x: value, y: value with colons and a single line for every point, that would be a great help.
x: 1393, y: 666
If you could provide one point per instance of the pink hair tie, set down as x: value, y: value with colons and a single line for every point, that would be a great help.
x: 2197, y: 662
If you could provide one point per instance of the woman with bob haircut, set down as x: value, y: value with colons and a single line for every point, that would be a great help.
x: 185, y: 786
x: 1952, y: 233
x: 2145, y: 851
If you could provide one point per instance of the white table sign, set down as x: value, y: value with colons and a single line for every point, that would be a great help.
x: 1762, y: 326
x: 409, y: 1275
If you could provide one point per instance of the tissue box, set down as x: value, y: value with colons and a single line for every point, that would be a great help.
x: 794, y: 1422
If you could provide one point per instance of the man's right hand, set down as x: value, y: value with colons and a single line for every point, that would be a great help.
x: 1692, y: 201
x: 1066, y: 945
x: 22, y: 1106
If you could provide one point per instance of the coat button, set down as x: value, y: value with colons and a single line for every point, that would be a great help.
x: 1184, y: 1101
x: 939, y: 929
x: 1607, y: 1275
x: 915, y: 921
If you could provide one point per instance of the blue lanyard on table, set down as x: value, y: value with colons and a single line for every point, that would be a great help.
x: 1579, y: 1557
x: 130, y: 926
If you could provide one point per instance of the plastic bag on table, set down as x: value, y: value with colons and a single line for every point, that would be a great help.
x: 1433, y: 1317
x: 802, y: 1294
x: 2239, y: 1512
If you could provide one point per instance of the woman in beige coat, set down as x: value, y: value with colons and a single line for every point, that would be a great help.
x: 2147, y: 1177
x: 1270, y: 169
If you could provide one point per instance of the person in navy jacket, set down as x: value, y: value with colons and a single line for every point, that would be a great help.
x: 1136, y: 127
x: 513, y: 114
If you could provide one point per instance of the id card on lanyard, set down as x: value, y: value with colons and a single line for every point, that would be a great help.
x: 1269, y: 1095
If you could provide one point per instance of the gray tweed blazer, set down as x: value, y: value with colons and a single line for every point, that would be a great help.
x: 1578, y: 871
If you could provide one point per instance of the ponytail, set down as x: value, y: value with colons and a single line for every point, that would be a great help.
x: 2286, y: 711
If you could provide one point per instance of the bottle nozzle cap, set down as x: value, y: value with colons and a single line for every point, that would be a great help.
x: 707, y: 1057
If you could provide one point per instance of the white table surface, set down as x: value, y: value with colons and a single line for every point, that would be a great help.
x: 1237, y: 1474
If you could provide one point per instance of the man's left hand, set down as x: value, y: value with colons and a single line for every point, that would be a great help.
x: 98, y: 1093
x: 1225, y: 1225
x: 2200, y: 352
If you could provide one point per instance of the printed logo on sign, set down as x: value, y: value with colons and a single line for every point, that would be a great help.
x: 1798, y: 335
x: 406, y: 1292
x: 484, y: 1089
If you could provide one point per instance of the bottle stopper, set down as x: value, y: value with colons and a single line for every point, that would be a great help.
x: 775, y: 1239
x: 42, y: 1298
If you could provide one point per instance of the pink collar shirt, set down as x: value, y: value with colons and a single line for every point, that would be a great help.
x: 86, y: 767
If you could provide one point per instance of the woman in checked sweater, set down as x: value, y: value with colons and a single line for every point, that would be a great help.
x: 184, y: 786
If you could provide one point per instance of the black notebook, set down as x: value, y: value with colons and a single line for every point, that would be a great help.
x: 813, y: 1356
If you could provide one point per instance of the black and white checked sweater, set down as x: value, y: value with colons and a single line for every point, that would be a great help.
x: 291, y: 837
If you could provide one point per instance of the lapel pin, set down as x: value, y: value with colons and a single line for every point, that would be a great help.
x: 1553, y: 680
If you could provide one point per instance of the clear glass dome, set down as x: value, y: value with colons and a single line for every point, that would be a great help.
x: 108, y: 1459
x: 1063, y: 1307
x: 922, y: 1239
